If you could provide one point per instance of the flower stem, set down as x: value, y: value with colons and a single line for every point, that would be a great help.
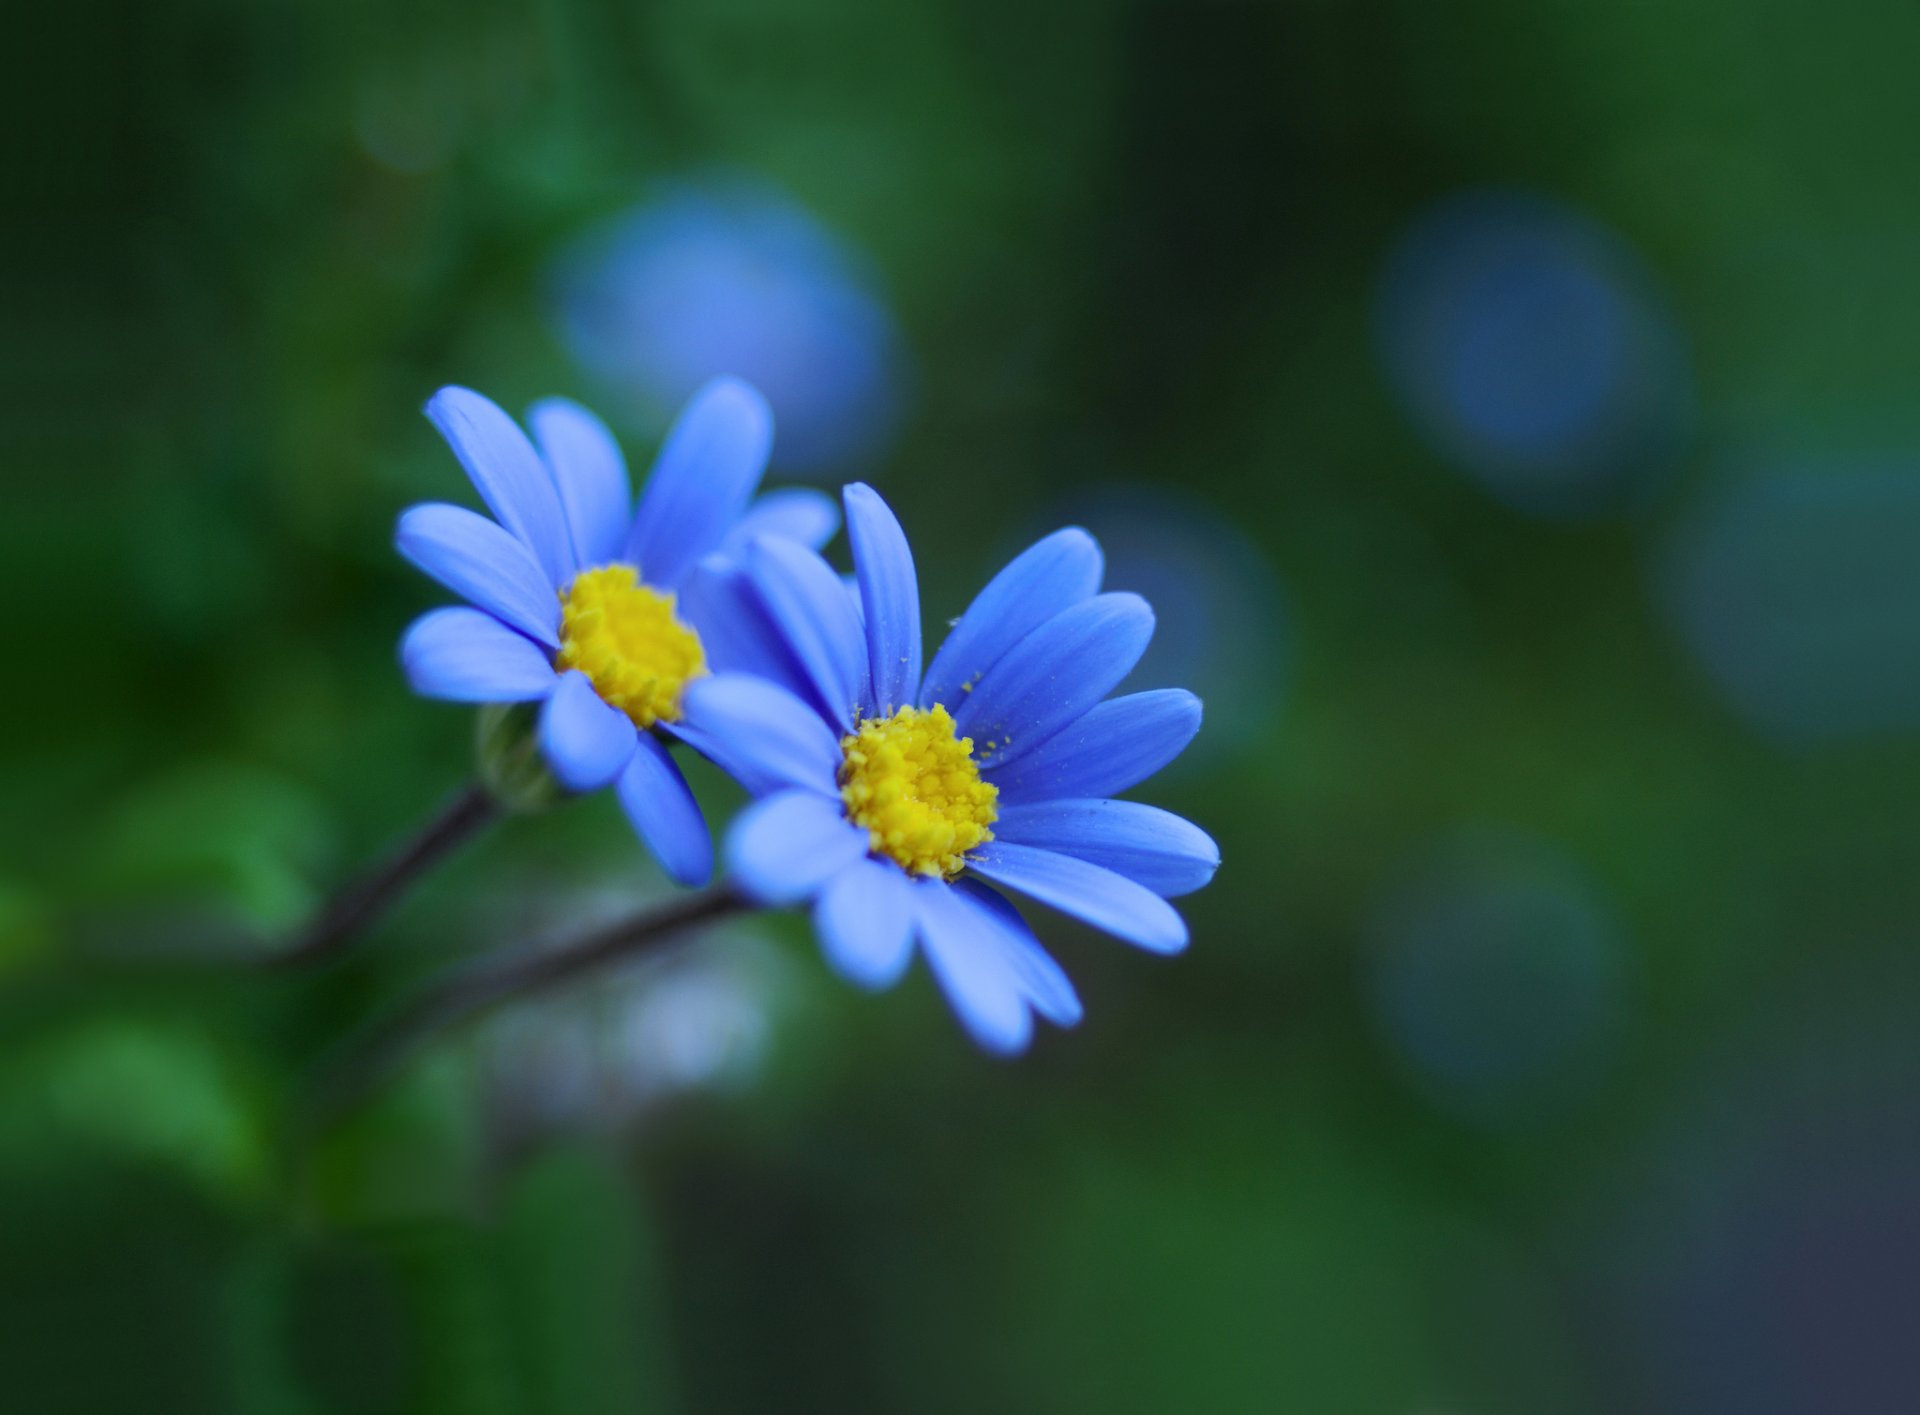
x: 350, y: 911
x: 515, y: 974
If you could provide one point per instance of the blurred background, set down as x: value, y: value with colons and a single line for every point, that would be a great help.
x: 1513, y: 409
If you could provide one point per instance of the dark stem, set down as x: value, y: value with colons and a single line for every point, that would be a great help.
x: 370, y: 896
x: 517, y: 974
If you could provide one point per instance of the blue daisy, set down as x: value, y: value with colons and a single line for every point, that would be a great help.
x: 899, y: 804
x: 592, y: 608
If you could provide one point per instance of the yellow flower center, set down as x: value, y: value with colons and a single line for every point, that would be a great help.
x: 629, y: 642
x: 912, y: 785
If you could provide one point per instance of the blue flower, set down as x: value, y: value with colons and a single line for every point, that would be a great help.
x: 895, y: 801
x: 726, y: 272
x: 588, y: 606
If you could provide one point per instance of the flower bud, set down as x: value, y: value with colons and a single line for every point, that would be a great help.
x: 506, y: 743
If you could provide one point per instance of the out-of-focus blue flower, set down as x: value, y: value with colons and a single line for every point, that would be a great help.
x: 1528, y: 348
x: 1800, y: 594
x: 1765, y: 1255
x: 894, y: 800
x: 1498, y: 977
x: 586, y: 605
x: 1217, y: 602
x: 732, y: 276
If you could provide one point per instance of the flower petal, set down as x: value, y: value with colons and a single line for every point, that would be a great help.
x: 865, y: 920
x: 736, y: 632
x: 466, y: 656
x: 1043, y: 980
x: 1054, y: 676
x: 585, y: 740
x: 590, y: 474
x: 1045, y: 578
x: 1096, y: 896
x: 1118, y: 744
x: 806, y: 600
x: 655, y: 797
x: 707, y: 471
x: 484, y: 564
x: 508, y: 474
x: 785, y: 846
x: 761, y: 735
x: 795, y: 513
x: 1168, y: 854
x: 889, y: 597
x: 966, y: 952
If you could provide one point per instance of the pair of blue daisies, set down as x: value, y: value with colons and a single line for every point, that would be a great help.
x: 897, y: 800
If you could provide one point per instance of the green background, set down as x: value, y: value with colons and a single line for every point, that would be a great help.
x: 1128, y: 244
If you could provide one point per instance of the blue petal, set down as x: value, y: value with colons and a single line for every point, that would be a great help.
x: 865, y: 920
x: 1091, y: 894
x: 795, y: 513
x: 655, y: 797
x: 1054, y: 676
x: 466, y: 656
x: 585, y: 741
x: 707, y: 471
x: 889, y: 597
x: 761, y: 735
x: 508, y: 474
x: 1045, y: 578
x: 785, y: 846
x: 590, y: 474
x: 1167, y: 854
x: 1041, y: 979
x: 484, y: 564
x: 1118, y: 744
x: 965, y: 950
x: 806, y: 600
x: 736, y: 632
